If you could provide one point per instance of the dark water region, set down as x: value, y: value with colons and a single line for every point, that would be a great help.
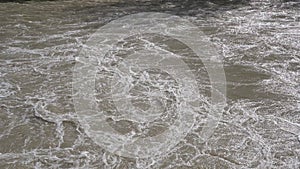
x: 258, y: 41
x: 21, y: 1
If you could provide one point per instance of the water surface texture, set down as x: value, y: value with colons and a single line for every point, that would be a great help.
x: 258, y: 41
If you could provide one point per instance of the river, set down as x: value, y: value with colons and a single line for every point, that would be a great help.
x: 258, y: 42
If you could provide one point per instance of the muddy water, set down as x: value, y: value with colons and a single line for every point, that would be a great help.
x: 258, y: 42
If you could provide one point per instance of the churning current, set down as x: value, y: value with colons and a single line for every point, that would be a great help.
x: 258, y: 44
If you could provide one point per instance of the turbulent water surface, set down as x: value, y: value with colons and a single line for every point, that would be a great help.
x: 258, y: 41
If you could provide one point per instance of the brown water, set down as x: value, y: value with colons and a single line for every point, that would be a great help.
x: 259, y: 43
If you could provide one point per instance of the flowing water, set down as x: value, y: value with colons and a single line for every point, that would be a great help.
x: 258, y: 41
